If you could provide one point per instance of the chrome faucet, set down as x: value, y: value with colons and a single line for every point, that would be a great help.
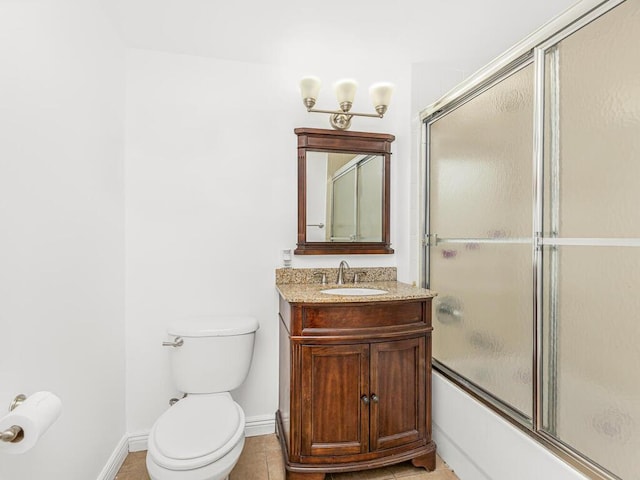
x: 340, y: 280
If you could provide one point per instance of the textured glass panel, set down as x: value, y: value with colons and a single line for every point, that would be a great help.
x: 370, y: 200
x: 598, y: 353
x: 481, y: 163
x: 598, y: 113
x: 481, y: 187
x: 482, y: 317
x: 343, y: 222
x: 591, y: 302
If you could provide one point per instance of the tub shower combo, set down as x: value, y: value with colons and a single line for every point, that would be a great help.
x: 532, y: 236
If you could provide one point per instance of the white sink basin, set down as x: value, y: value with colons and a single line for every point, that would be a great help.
x: 353, y: 291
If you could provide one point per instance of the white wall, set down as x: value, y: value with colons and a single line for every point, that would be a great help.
x: 61, y: 230
x: 211, y: 168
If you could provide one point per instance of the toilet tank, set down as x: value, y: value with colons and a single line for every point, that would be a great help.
x: 215, y: 355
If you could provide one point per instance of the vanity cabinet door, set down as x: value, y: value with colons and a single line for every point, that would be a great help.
x: 335, y: 418
x: 398, y: 393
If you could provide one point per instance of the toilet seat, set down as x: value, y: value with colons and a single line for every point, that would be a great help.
x: 196, y: 431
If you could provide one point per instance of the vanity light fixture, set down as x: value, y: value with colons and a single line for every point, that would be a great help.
x: 345, y: 92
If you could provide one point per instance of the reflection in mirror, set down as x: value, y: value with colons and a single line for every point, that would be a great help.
x: 344, y: 197
x: 343, y: 192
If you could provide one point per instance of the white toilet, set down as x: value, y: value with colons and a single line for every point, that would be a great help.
x: 201, y: 436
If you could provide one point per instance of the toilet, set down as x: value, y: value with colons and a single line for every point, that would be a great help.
x: 201, y: 436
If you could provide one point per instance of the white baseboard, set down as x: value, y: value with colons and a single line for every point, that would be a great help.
x: 260, y: 425
x: 255, y: 426
x: 138, y: 441
x: 116, y: 460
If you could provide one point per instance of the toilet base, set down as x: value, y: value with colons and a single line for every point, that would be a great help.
x: 218, y: 470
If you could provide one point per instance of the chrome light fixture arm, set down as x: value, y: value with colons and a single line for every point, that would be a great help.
x: 351, y: 114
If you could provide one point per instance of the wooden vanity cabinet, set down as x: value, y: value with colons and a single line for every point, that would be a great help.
x: 355, y: 386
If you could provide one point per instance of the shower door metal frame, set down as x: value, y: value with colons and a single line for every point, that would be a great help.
x: 533, y: 48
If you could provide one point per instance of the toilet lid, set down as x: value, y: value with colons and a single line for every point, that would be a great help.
x: 196, y: 431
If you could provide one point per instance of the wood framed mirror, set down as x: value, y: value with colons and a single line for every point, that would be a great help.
x: 343, y: 192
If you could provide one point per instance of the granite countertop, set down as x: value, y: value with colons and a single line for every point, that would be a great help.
x: 310, y: 292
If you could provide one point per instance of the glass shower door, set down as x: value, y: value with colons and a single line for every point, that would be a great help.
x: 591, y: 242
x: 480, y: 243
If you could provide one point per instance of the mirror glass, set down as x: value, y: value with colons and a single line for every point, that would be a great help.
x: 344, y: 197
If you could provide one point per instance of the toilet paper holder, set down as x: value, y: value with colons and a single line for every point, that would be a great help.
x: 15, y: 432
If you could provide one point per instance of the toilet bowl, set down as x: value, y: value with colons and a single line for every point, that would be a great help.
x: 201, y: 436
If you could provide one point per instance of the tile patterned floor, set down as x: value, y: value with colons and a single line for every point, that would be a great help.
x: 261, y: 459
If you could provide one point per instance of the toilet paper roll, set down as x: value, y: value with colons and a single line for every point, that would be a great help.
x: 35, y: 415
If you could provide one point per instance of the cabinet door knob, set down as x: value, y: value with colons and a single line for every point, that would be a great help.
x: 365, y: 399
x: 374, y: 398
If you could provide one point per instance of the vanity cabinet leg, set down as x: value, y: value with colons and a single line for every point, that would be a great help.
x: 304, y: 476
x: 427, y: 461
